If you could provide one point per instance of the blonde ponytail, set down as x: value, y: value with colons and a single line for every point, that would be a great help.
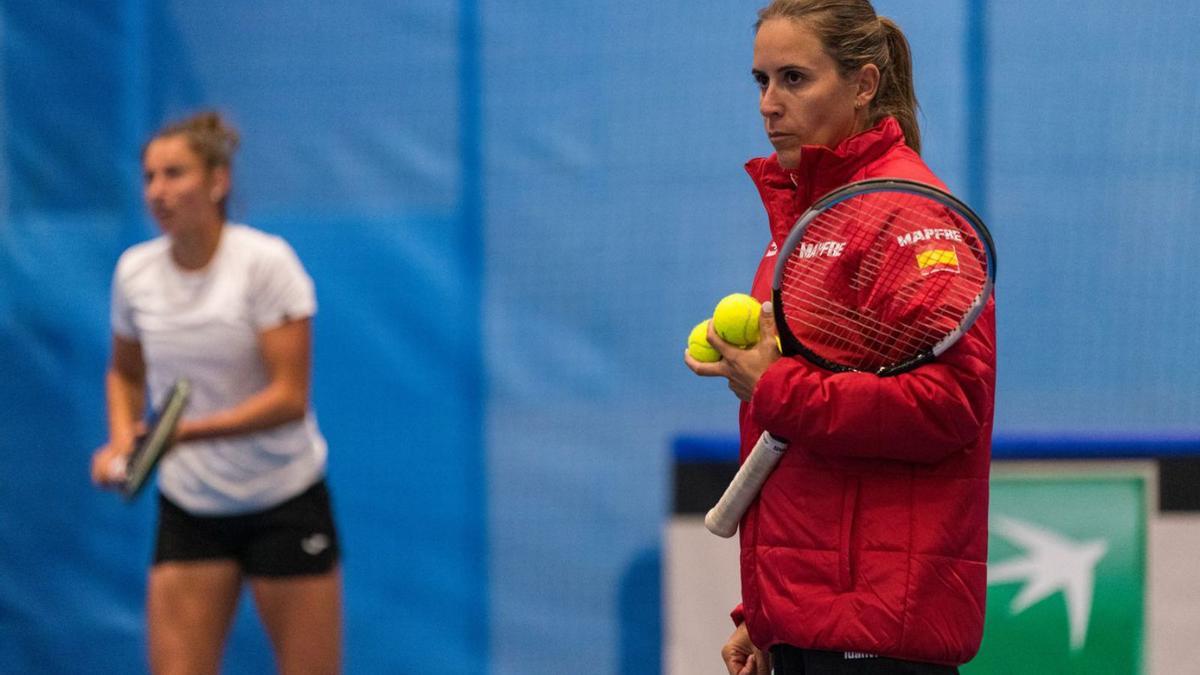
x: 897, y: 96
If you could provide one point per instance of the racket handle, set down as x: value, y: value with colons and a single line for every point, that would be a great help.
x: 722, y: 520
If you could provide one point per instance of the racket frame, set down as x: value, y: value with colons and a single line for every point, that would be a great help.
x: 790, y: 344
x: 155, y: 443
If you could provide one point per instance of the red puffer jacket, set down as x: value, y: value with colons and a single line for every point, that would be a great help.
x: 871, y: 534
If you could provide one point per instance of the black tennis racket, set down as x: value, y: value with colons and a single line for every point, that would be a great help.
x: 150, y: 447
x: 879, y: 276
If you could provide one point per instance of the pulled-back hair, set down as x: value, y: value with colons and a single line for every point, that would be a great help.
x: 209, y: 136
x: 854, y: 35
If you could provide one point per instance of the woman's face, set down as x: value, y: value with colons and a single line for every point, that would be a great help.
x: 804, y: 99
x: 180, y: 191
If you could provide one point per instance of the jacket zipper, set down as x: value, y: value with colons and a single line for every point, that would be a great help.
x: 846, y: 557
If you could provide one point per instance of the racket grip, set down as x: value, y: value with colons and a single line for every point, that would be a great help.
x: 722, y: 520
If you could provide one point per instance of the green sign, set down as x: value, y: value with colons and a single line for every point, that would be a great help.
x: 1066, y: 572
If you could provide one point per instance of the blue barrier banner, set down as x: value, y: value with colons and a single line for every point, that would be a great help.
x: 724, y: 447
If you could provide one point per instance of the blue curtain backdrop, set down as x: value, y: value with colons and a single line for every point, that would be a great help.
x: 514, y: 212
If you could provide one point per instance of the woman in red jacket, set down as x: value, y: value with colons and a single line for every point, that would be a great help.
x: 866, y: 551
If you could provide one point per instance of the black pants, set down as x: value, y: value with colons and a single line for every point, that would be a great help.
x: 788, y: 660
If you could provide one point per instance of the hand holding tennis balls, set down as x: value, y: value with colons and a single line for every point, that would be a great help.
x: 736, y: 319
x: 737, y: 353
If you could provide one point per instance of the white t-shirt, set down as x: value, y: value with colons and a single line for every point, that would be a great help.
x: 204, y: 325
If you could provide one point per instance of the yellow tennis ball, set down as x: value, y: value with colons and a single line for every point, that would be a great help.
x: 736, y: 319
x: 699, y: 346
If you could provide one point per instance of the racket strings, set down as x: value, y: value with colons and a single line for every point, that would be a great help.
x: 857, y: 295
x: 868, y: 272
x: 860, y: 325
x: 860, y: 329
x: 850, y: 331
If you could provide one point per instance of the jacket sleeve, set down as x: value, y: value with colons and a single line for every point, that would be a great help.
x: 923, y: 415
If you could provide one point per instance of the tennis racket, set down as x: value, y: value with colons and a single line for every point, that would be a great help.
x: 879, y: 276
x: 150, y: 447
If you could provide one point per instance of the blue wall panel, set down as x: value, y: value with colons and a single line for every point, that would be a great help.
x: 62, y: 84
x: 1094, y: 184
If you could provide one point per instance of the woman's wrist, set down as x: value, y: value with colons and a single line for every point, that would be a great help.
x: 123, y: 440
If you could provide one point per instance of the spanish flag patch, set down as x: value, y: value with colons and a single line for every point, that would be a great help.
x: 933, y: 260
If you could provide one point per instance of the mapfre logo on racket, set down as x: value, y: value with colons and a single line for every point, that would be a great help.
x: 829, y: 249
x: 917, y: 236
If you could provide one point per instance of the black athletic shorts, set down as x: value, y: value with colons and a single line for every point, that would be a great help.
x: 293, y: 538
x: 788, y: 660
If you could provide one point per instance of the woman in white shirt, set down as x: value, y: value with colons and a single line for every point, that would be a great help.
x: 242, y: 493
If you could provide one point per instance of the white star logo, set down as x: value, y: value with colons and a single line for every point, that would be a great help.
x: 1051, y: 563
x: 314, y: 543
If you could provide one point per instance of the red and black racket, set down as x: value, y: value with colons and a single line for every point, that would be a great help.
x: 879, y: 276
x: 150, y: 447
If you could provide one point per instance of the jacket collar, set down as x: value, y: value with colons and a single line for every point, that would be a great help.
x: 825, y: 168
